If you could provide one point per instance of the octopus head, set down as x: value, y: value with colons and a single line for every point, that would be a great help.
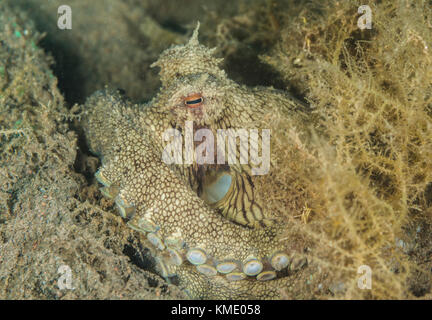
x: 192, y: 82
x: 189, y: 59
x: 199, y: 98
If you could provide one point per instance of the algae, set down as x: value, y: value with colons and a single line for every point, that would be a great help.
x: 369, y: 167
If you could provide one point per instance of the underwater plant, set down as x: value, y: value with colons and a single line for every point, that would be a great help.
x: 365, y: 173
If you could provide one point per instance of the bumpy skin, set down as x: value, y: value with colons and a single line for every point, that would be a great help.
x: 161, y: 200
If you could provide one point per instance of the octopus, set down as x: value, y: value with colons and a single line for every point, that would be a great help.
x: 202, y: 219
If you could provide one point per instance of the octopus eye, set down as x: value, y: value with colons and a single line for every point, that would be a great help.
x: 194, y: 100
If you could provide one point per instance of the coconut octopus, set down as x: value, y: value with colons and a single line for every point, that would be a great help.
x: 202, y: 218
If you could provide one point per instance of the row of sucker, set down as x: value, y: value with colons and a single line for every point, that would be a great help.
x: 174, y: 252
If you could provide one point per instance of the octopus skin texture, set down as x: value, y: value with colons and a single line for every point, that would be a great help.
x: 225, y: 249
